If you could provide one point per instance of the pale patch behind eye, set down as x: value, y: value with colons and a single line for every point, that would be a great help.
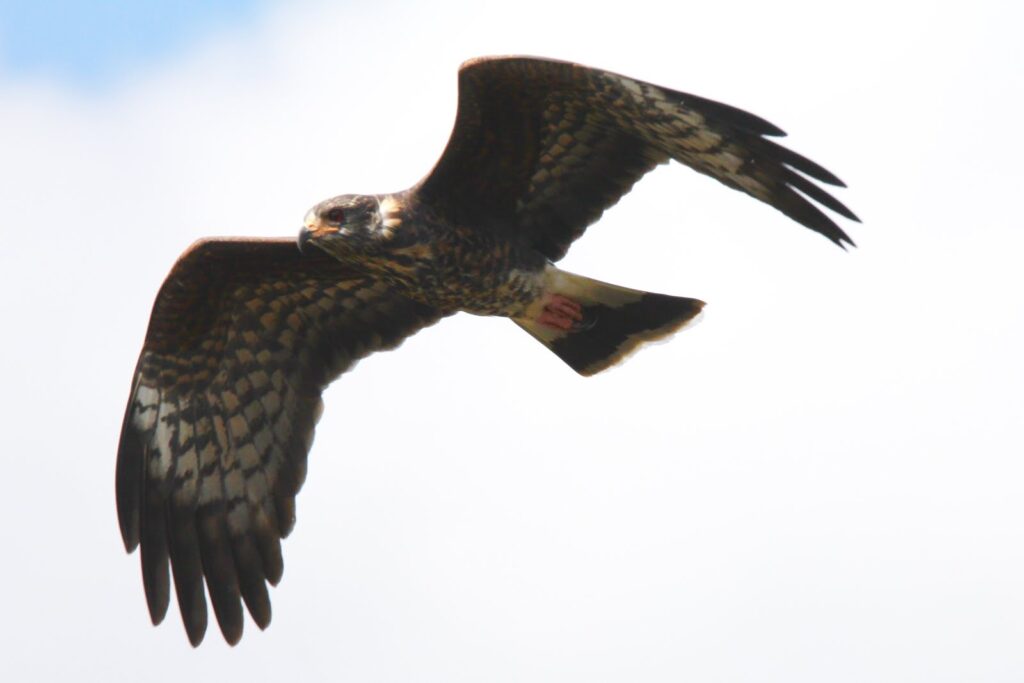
x: 390, y: 216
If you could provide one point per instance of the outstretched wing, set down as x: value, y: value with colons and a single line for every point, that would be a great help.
x: 543, y: 147
x: 243, y: 338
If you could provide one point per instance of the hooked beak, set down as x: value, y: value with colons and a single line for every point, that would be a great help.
x: 306, y: 236
x: 311, y: 231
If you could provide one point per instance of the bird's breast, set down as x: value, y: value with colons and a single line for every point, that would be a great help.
x: 467, y: 270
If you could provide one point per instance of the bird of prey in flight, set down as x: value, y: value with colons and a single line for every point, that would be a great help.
x: 245, y: 334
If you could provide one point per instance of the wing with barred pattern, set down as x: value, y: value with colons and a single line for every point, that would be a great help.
x: 543, y: 147
x: 244, y: 336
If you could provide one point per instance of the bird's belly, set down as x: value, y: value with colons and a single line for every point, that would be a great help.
x: 458, y: 269
x: 504, y: 293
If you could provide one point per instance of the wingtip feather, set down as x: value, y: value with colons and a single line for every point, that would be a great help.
x: 128, y: 480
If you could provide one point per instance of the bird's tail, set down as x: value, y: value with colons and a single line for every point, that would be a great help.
x: 609, y: 322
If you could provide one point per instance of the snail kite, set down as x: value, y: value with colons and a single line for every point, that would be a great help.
x: 246, y: 333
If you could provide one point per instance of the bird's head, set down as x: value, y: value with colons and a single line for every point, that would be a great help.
x: 348, y: 226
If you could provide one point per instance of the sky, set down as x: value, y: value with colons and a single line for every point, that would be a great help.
x: 92, y: 44
x: 820, y: 481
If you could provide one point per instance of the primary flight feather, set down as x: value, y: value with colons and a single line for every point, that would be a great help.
x: 245, y: 334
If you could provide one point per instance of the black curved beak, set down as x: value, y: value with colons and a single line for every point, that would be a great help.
x: 308, y: 237
x: 303, y: 240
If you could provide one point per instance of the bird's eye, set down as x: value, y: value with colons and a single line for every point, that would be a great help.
x: 335, y: 215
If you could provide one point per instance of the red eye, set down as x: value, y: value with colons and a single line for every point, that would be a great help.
x: 335, y: 215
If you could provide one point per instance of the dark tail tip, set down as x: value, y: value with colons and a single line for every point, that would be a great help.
x: 613, y: 332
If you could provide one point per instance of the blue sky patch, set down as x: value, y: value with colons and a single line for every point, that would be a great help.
x: 92, y: 43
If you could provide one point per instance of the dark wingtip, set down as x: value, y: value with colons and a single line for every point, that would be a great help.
x: 797, y: 205
x: 128, y: 480
x: 262, y: 621
x: 840, y: 239
x: 733, y: 116
x: 153, y: 557
x: 273, y: 562
x: 802, y: 163
x: 229, y: 617
x: 195, y: 634
x: 259, y: 607
x: 836, y: 237
x: 193, y: 615
x: 130, y: 533
x: 257, y: 600
x: 251, y: 580
x: 232, y: 635
x: 812, y: 191
x: 195, y: 624
x: 157, y: 611
x: 130, y: 544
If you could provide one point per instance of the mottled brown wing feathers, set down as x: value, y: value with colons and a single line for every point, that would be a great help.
x: 243, y: 338
x: 543, y: 147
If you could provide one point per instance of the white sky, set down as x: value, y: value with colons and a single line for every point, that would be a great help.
x: 821, y: 482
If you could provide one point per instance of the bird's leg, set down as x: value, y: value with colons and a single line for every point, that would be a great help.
x: 561, y: 312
